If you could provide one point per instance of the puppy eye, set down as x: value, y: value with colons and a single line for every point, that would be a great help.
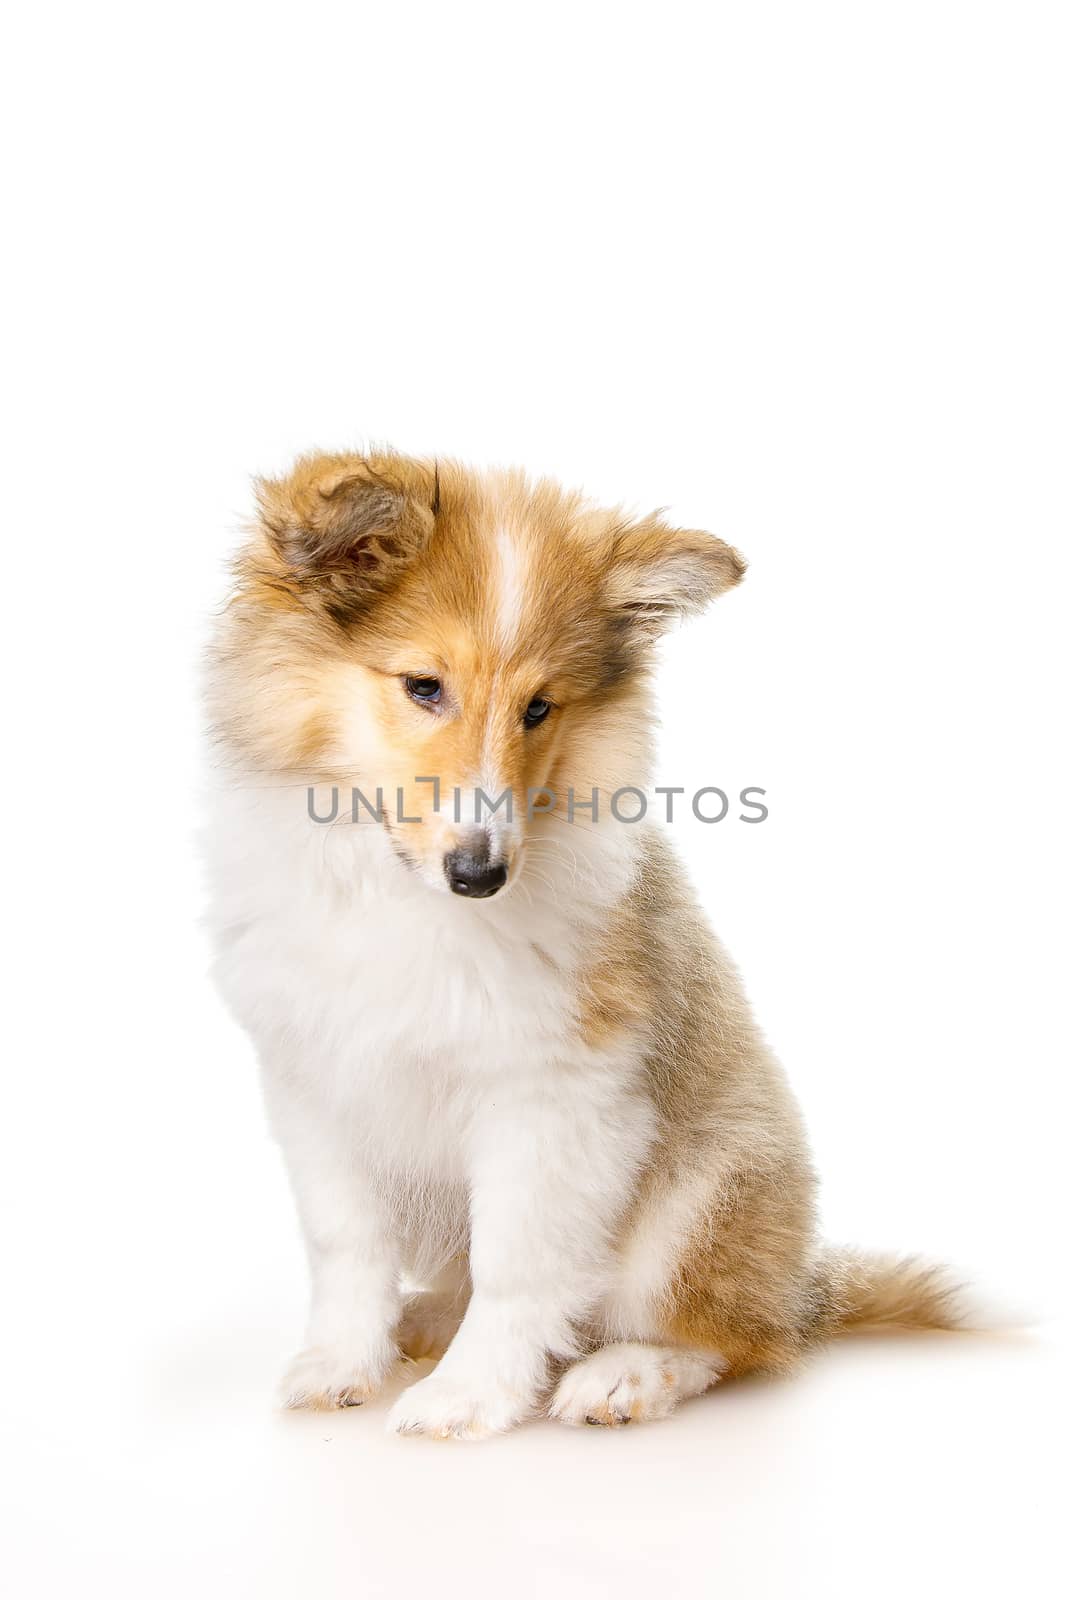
x: 428, y: 690
x: 536, y: 712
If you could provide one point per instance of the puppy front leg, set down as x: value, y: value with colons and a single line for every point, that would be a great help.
x: 550, y: 1171
x: 355, y: 1296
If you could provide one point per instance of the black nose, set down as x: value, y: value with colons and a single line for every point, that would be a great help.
x: 476, y: 879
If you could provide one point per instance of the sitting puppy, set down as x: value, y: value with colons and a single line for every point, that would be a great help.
x: 504, y: 1055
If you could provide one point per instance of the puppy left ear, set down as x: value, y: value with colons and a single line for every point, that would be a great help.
x: 355, y: 518
x: 658, y: 574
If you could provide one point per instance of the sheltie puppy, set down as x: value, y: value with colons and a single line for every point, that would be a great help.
x: 528, y: 1118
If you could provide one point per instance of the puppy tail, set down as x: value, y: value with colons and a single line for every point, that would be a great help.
x: 853, y: 1289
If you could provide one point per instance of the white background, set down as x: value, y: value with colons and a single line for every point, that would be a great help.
x: 795, y: 271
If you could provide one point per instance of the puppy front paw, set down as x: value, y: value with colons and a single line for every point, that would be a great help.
x: 444, y: 1408
x: 323, y: 1378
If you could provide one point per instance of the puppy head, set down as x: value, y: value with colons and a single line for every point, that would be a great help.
x: 467, y: 644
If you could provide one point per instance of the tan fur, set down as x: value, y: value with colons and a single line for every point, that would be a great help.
x: 432, y: 1317
x: 883, y: 1291
x: 747, y: 1279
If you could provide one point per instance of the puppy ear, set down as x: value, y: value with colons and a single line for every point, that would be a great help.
x: 351, y: 522
x: 658, y: 573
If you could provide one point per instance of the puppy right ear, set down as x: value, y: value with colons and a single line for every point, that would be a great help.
x: 349, y: 522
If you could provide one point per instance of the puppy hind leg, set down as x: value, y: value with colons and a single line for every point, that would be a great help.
x: 432, y: 1316
x: 631, y: 1382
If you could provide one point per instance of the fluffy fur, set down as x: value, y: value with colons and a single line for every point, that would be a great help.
x: 550, y: 1109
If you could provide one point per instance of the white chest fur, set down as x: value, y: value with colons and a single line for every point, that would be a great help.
x: 398, y: 1008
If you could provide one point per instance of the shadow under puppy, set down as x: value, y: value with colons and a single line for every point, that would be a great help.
x: 503, y: 1053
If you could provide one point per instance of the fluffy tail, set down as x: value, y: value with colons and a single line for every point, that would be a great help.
x: 853, y: 1290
